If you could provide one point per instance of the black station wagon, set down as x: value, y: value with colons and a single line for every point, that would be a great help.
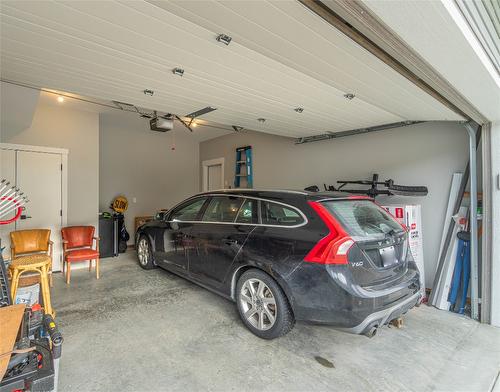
x: 282, y: 256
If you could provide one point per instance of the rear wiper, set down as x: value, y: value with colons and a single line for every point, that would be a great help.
x: 391, y: 233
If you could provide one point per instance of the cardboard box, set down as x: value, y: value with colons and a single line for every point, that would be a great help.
x: 28, y: 295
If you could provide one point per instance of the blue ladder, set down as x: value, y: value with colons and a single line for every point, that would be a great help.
x: 243, y: 166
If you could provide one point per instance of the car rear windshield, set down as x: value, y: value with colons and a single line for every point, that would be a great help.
x: 363, y: 218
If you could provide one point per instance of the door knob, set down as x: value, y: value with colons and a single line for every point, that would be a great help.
x: 25, y: 217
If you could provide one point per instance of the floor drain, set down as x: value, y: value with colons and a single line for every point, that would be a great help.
x: 325, y: 362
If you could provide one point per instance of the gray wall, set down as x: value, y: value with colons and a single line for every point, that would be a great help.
x: 423, y: 154
x: 138, y: 163
x: 17, y: 107
x: 77, y: 131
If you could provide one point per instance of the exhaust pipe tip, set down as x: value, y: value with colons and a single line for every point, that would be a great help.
x: 371, y: 331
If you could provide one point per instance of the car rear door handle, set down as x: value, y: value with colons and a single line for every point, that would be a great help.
x: 229, y: 241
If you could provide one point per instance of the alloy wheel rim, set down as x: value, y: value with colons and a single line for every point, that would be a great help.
x: 143, y: 252
x: 258, y: 304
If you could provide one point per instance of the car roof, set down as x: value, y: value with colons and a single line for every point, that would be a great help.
x: 289, y: 194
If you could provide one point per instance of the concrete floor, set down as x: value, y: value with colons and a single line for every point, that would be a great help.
x: 136, y: 330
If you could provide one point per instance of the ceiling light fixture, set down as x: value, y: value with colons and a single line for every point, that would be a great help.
x: 261, y: 120
x: 349, y: 96
x: 149, y: 92
x: 60, y: 99
x: 178, y: 71
x: 299, y: 110
x: 194, y: 124
x: 225, y: 39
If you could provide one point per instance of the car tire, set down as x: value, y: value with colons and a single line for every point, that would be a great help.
x: 145, y: 253
x: 263, y: 306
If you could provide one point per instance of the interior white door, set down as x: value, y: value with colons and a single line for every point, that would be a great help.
x: 215, y: 177
x: 8, y: 172
x: 39, y: 176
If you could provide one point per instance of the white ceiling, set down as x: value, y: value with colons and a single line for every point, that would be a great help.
x: 282, y: 56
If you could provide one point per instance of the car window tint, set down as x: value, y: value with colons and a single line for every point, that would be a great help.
x: 278, y: 214
x: 248, y: 212
x: 222, y: 209
x: 188, y: 211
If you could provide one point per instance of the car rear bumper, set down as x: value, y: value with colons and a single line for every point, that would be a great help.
x: 327, y: 295
x: 385, y: 316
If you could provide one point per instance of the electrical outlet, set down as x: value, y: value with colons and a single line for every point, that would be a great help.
x: 134, y: 200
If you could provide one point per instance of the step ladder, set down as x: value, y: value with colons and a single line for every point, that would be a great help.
x: 243, y: 166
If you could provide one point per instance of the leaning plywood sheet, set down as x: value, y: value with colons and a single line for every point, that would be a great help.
x: 10, y: 320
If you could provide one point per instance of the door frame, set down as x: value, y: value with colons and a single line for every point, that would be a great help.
x: 205, y: 165
x: 64, y: 170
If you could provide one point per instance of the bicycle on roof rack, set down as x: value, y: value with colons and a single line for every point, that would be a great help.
x: 374, y: 190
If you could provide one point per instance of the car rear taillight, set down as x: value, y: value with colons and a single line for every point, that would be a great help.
x: 333, y: 248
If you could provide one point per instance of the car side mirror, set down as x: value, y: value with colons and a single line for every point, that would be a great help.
x: 161, y: 215
x: 174, y: 225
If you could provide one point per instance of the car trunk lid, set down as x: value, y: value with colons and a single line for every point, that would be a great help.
x: 379, y: 253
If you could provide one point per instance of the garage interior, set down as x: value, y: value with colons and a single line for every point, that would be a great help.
x: 322, y: 91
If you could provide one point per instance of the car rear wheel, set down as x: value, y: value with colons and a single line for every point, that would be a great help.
x: 144, y: 253
x: 263, y: 306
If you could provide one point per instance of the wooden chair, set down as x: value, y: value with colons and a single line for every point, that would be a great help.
x: 31, y: 251
x: 78, y: 245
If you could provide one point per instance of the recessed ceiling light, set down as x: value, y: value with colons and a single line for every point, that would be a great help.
x: 225, y: 39
x: 149, y: 92
x: 349, y: 96
x: 60, y: 99
x: 261, y: 120
x: 299, y: 110
x: 178, y: 71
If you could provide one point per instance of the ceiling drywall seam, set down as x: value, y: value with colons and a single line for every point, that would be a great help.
x: 359, y: 24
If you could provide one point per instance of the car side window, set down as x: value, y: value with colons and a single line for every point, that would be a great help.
x: 222, y: 209
x: 249, y: 212
x: 280, y: 215
x: 188, y: 211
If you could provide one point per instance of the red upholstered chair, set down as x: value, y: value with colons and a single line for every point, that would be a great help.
x: 78, y: 245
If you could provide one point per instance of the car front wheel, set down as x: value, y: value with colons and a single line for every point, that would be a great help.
x: 144, y: 253
x: 263, y: 306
